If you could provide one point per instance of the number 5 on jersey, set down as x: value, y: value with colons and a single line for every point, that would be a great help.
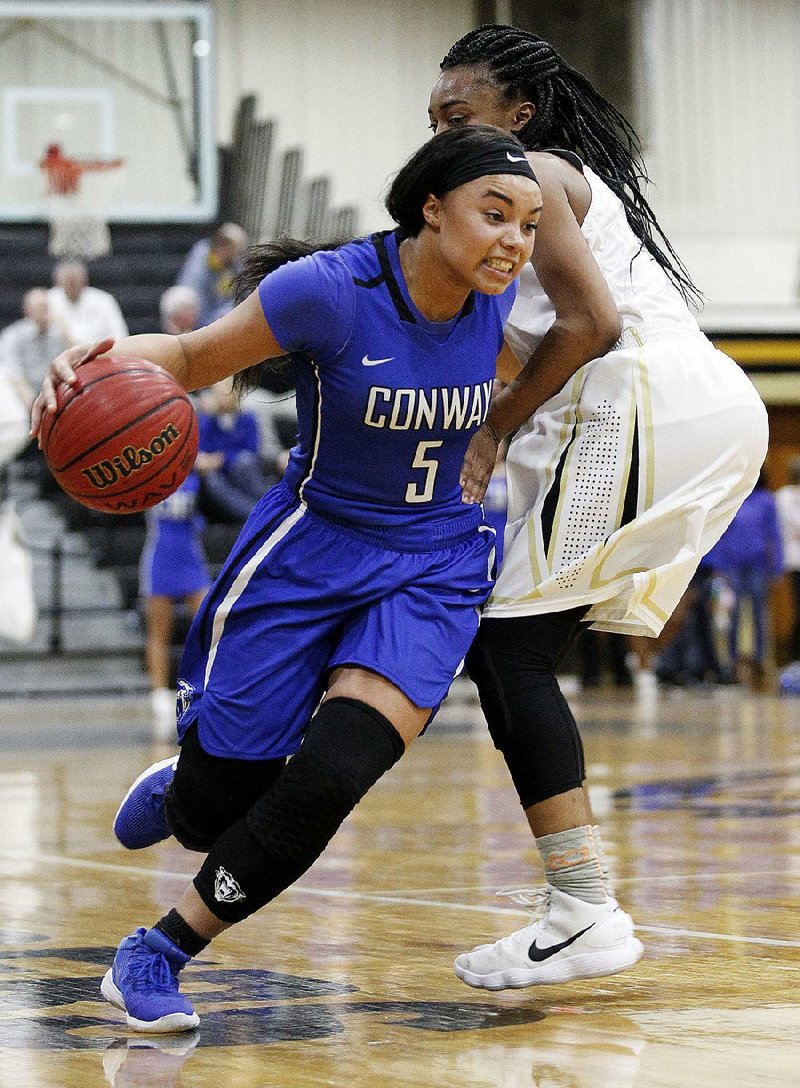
x: 430, y: 466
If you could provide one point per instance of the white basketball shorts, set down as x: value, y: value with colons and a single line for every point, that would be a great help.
x: 620, y: 483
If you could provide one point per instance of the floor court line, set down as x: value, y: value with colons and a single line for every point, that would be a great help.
x: 376, y: 897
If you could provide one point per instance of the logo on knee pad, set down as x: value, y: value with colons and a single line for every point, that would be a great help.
x: 226, y: 889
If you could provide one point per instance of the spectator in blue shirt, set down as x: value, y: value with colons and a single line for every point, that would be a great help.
x: 229, y: 461
x: 750, y: 556
x: 211, y: 268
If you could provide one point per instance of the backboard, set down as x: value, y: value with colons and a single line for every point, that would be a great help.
x: 104, y: 83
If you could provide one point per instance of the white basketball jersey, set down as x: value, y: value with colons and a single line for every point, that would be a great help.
x: 640, y: 287
x: 621, y: 482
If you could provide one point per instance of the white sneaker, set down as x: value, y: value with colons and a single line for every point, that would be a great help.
x: 571, y: 939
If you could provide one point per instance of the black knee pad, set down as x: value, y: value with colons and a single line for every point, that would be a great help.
x: 354, y: 740
x: 347, y: 747
x: 209, y: 794
x: 529, y: 719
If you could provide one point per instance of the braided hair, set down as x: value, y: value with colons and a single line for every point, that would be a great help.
x: 571, y: 114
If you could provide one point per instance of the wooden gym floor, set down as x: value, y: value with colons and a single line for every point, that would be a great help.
x: 346, y: 980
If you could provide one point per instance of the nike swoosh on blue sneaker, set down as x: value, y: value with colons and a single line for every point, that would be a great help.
x: 539, y: 954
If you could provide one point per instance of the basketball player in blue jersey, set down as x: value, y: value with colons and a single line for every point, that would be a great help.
x: 355, y: 585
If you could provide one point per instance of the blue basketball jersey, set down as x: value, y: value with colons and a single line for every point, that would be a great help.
x: 364, y: 555
x: 388, y: 401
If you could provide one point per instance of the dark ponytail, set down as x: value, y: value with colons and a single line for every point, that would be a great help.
x: 259, y: 261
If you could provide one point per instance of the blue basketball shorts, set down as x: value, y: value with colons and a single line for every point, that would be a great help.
x: 300, y: 595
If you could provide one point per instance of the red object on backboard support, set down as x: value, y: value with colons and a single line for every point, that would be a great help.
x: 64, y: 173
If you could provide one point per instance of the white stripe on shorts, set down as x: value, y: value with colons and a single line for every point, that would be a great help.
x: 241, y: 581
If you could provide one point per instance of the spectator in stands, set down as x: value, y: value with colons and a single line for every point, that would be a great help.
x: 229, y: 462
x: 691, y: 657
x: 14, y: 419
x: 211, y: 268
x: 788, y: 500
x: 179, y: 308
x: 750, y: 556
x: 86, y: 313
x: 28, y: 346
x: 271, y: 402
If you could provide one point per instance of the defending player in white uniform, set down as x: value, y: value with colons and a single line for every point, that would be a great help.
x: 621, y: 482
x: 634, y: 442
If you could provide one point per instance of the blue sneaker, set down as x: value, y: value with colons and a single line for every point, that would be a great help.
x: 143, y: 982
x: 140, y: 819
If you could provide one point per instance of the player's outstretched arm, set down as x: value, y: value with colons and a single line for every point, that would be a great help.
x: 236, y: 341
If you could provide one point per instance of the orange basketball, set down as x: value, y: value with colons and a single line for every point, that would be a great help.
x: 123, y: 438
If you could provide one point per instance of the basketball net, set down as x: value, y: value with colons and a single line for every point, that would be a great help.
x: 77, y: 227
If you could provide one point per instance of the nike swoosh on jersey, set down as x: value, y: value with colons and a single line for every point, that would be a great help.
x: 366, y: 361
x: 539, y: 954
x: 512, y: 158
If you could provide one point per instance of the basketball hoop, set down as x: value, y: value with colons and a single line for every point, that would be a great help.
x: 76, y: 227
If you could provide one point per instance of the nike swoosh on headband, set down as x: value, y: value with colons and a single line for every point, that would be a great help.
x: 539, y: 954
x: 511, y: 158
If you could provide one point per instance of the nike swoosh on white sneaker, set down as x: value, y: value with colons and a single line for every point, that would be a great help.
x: 511, y: 158
x: 366, y: 361
x: 539, y: 954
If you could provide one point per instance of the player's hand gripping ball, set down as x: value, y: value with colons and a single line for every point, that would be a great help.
x: 121, y: 439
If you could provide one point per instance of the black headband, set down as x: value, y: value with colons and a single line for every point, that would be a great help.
x: 502, y: 157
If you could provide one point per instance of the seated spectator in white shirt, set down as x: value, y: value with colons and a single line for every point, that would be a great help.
x: 87, y: 313
x: 28, y: 346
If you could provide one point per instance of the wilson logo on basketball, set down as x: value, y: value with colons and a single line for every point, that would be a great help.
x: 130, y: 460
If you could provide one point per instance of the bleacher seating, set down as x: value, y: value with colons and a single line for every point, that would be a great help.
x: 144, y: 261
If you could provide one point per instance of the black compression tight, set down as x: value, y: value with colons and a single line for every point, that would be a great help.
x: 513, y: 663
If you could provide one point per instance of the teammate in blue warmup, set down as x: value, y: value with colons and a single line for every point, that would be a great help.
x: 358, y: 579
x: 172, y: 568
